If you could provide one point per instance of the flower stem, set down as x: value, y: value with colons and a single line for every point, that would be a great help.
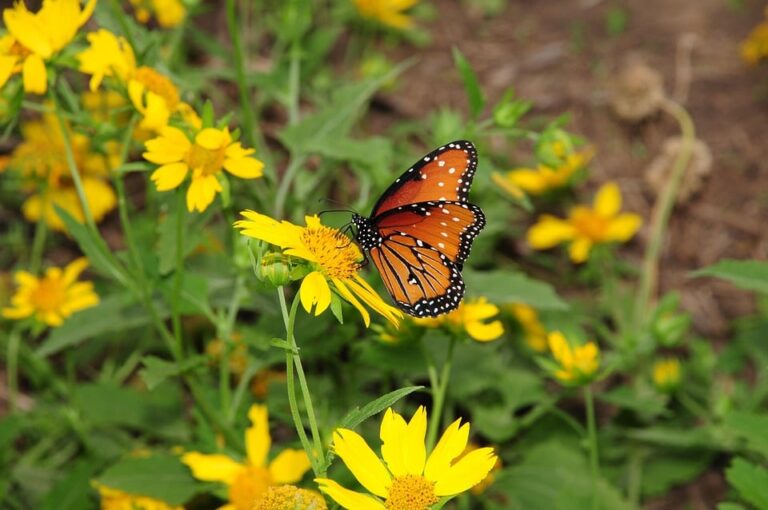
x: 293, y: 362
x: 594, y: 462
x: 225, y: 328
x: 438, y: 396
x: 13, y: 369
x: 179, y: 271
x: 662, y: 211
x: 38, y: 243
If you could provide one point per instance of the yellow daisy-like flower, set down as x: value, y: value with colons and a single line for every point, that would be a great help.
x: 54, y: 297
x: 577, y: 365
x: 407, y: 478
x: 534, y: 333
x: 755, y: 46
x: 389, y: 12
x: 249, y: 480
x: 666, y: 374
x: 169, y: 13
x: 106, y: 56
x: 334, y: 257
x: 289, y: 497
x: 41, y: 158
x: 545, y: 178
x: 113, y: 499
x: 212, y: 151
x: 470, y: 317
x: 587, y: 226
x: 34, y: 38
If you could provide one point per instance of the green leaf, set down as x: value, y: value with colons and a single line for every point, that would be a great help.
x: 663, y: 471
x: 162, y: 477
x: 731, y: 506
x: 745, y: 274
x: 360, y: 414
x: 749, y: 426
x: 116, y: 313
x: 471, y: 84
x: 157, y: 370
x: 192, y: 236
x: 93, y: 246
x: 73, y: 492
x: 511, y: 287
x: 750, y: 480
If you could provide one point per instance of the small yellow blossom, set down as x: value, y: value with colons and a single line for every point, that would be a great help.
x: 534, y: 333
x: 546, y: 178
x: 755, y: 46
x: 666, y: 374
x: 42, y: 160
x: 249, y: 480
x: 113, y: 499
x: 388, y: 12
x: 576, y: 365
x: 54, y: 297
x: 334, y: 258
x: 587, y: 226
x: 169, y: 13
x: 289, y: 497
x: 469, y: 317
x: 212, y: 151
x: 35, y: 38
x: 106, y: 56
x: 409, y: 477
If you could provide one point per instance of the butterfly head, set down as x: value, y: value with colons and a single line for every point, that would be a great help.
x: 366, y: 235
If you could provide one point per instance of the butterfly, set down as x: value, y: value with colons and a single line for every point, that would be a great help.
x: 421, y: 230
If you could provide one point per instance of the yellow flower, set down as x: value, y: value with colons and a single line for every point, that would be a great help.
x: 388, y: 12
x: 34, y: 38
x: 666, y: 374
x: 54, y: 297
x: 546, y: 178
x: 107, y: 55
x: 212, y: 151
x: 470, y: 316
x: 489, y: 479
x: 169, y: 13
x: 533, y: 330
x: 576, y: 365
x: 246, y: 481
x: 407, y: 479
x: 587, y: 226
x: 289, y: 497
x: 755, y: 46
x: 333, y: 256
x: 113, y: 499
x: 41, y: 159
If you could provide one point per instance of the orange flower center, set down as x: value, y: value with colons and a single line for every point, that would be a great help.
x: 159, y: 84
x: 335, y: 253
x: 411, y: 492
x: 588, y: 223
x: 210, y: 161
x: 50, y: 295
x: 248, y: 486
x: 19, y: 50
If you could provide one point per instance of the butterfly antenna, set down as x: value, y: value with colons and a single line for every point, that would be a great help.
x: 335, y: 202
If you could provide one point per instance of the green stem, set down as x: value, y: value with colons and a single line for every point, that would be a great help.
x: 285, y: 183
x: 13, y: 369
x: 225, y: 331
x: 38, y: 244
x: 635, y: 475
x: 594, y: 462
x: 438, y: 396
x: 294, y: 83
x: 289, y: 319
x: 178, y: 272
x: 662, y: 211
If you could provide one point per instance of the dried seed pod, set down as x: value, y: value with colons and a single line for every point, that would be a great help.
x: 658, y: 172
x: 638, y: 92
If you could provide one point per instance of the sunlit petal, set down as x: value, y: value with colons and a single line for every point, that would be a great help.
x: 257, y: 438
x: 212, y: 468
x: 361, y: 461
x: 346, y: 498
x: 289, y: 466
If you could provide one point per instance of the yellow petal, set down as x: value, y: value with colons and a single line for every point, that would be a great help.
x: 213, y: 139
x: 236, y: 151
x: 314, y: 290
x: 257, y: 438
x: 548, y: 232
x: 466, y: 473
x: 528, y: 180
x: 136, y: 94
x: 202, y: 190
x: 245, y: 168
x: 623, y: 227
x: 28, y: 29
x: 7, y: 66
x: 168, y: 177
x: 73, y: 270
x: 264, y: 228
x: 289, y: 466
x: 361, y: 461
x: 483, y: 332
x: 347, y: 295
x: 34, y: 75
x: 402, y: 445
x: 346, y: 498
x: 561, y: 349
x: 86, y: 13
x: 212, y: 468
x: 452, y: 443
x: 156, y: 113
x: 371, y: 298
x: 579, y: 249
x: 608, y: 200
x: 172, y: 145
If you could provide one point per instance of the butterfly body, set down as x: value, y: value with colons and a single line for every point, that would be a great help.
x: 421, y: 230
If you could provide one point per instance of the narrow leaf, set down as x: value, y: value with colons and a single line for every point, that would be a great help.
x: 471, y: 84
